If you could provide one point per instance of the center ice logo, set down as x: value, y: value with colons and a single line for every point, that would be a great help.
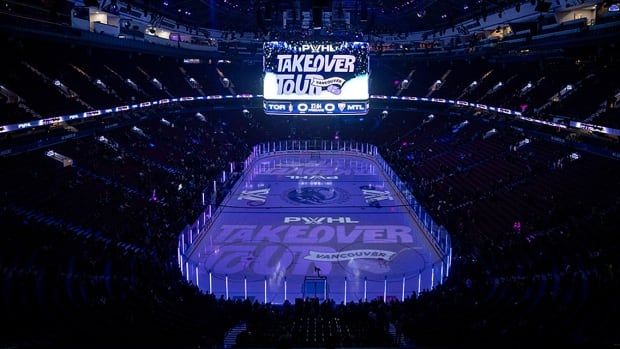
x: 317, y: 196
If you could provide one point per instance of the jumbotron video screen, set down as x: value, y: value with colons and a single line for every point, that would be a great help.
x: 315, y: 78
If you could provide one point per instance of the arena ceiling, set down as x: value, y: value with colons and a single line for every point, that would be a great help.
x: 386, y: 15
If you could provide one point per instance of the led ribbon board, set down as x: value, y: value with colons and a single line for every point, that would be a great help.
x: 315, y: 78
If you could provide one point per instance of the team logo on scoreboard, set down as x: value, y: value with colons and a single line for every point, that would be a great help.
x: 315, y: 108
x: 278, y: 107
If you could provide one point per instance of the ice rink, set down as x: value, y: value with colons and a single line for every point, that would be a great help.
x: 315, y: 224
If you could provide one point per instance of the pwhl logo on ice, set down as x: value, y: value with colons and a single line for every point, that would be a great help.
x: 320, y: 220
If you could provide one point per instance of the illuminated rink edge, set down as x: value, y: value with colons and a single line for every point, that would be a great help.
x: 242, y: 287
x: 483, y: 107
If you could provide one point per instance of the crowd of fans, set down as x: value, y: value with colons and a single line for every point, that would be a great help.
x: 533, y: 230
x: 95, y: 241
x: 577, y: 86
x: 88, y: 251
x: 36, y: 85
x: 532, y: 222
x: 311, y: 323
x: 581, y: 85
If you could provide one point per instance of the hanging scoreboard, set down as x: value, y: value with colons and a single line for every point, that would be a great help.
x: 315, y: 78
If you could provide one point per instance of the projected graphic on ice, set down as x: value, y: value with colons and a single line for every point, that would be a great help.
x: 315, y: 78
x: 293, y: 215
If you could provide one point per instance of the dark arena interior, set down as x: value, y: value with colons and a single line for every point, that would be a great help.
x: 309, y: 174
